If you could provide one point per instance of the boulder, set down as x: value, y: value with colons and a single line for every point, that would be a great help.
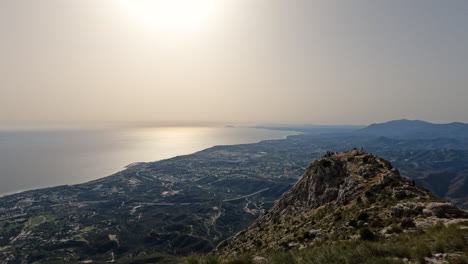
x: 259, y: 259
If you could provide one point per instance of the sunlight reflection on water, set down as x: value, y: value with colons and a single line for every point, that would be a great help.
x: 33, y: 159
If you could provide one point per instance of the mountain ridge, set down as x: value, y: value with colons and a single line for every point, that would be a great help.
x: 338, y: 197
x: 405, y: 128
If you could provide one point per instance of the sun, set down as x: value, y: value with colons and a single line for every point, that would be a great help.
x: 174, y: 15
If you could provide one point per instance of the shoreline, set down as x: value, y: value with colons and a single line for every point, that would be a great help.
x: 138, y: 163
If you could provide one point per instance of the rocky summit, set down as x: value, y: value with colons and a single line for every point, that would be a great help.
x: 343, y: 197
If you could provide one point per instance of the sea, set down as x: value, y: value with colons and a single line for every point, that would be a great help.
x: 31, y: 159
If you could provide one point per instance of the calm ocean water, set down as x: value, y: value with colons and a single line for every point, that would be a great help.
x: 35, y: 159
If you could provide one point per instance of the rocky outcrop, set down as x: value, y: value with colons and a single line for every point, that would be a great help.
x: 440, y: 210
x: 407, y: 209
x: 338, y: 196
x: 444, y: 210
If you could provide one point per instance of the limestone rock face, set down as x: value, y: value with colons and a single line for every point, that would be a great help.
x: 338, y: 195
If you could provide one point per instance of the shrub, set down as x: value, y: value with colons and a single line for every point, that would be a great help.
x: 366, y: 234
x: 337, y: 217
x: 394, y: 229
x: 376, y: 223
x: 352, y: 223
x: 359, y: 200
x: 241, y: 260
x: 407, y: 223
x: 303, y: 235
x: 363, y: 216
x: 281, y: 258
x: 258, y: 243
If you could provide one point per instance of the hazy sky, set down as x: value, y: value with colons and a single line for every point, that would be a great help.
x: 266, y: 61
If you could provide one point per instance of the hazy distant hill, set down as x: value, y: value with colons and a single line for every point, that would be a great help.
x: 314, y: 129
x: 416, y: 129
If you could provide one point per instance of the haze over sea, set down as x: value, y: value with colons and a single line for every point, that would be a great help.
x: 32, y: 159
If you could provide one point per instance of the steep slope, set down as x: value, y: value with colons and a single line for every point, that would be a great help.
x: 343, y: 197
x: 442, y: 171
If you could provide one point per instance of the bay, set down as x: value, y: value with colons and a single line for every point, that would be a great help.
x: 32, y: 159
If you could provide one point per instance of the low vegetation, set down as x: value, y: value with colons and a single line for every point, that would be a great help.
x: 418, y: 246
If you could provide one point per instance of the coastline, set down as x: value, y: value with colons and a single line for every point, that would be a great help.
x: 139, y: 163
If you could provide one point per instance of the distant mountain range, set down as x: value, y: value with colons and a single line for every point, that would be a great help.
x: 416, y: 129
x: 400, y: 129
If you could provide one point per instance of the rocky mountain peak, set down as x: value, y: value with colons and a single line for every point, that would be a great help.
x: 338, y: 196
x: 337, y: 178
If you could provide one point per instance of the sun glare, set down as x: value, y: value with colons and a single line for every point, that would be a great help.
x: 174, y: 15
